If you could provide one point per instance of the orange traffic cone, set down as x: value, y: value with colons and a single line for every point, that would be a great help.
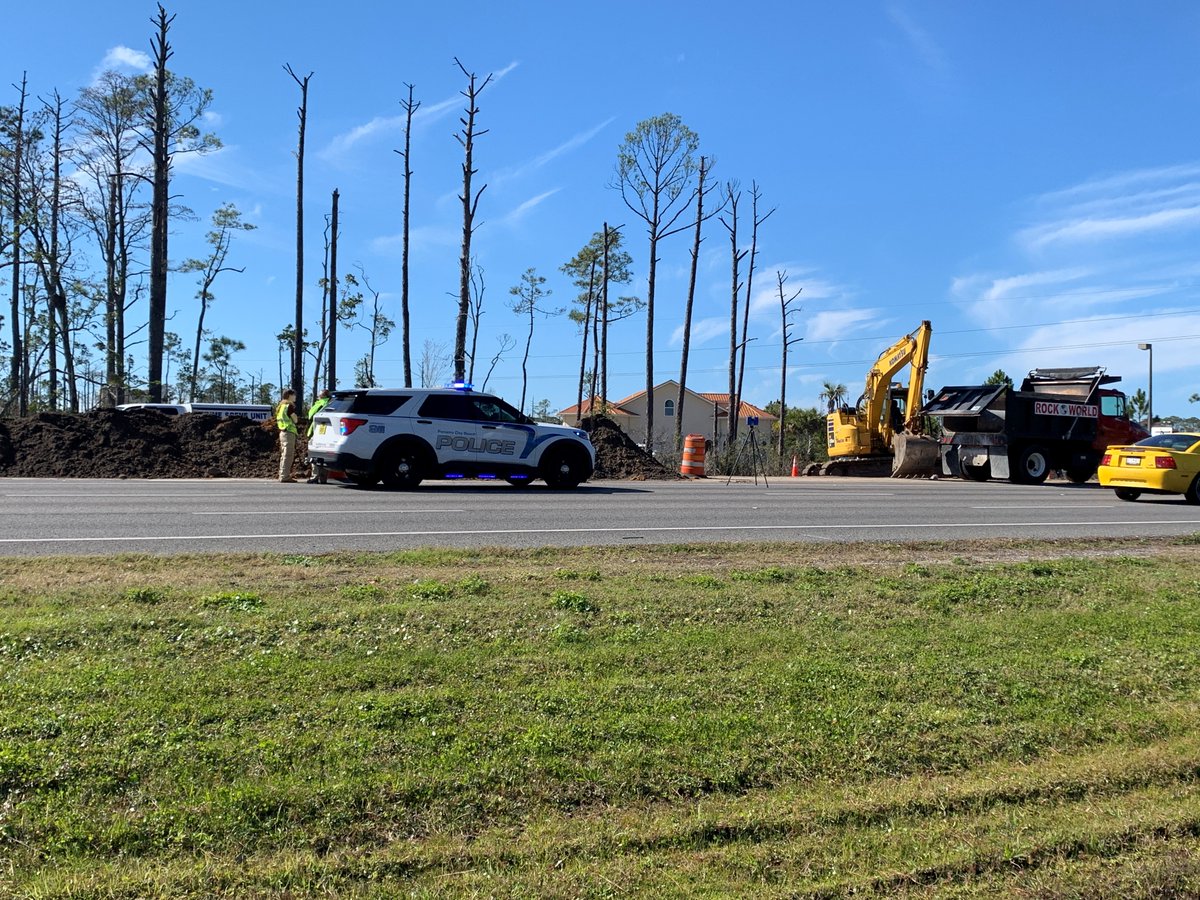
x: 795, y: 470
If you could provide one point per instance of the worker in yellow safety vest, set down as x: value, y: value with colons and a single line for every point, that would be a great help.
x: 285, y: 418
x: 319, y: 475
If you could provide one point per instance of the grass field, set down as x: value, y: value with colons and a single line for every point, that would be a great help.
x: 995, y: 719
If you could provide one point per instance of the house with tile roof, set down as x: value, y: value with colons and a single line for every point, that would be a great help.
x: 703, y: 413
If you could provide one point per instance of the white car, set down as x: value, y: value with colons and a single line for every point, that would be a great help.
x: 404, y: 435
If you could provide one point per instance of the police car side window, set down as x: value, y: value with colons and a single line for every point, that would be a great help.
x: 446, y: 406
x: 493, y: 409
x: 367, y: 404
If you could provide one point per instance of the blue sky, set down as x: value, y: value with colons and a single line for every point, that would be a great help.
x: 1026, y: 175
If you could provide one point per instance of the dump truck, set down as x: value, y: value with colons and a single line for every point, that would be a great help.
x: 862, y: 438
x: 1059, y: 420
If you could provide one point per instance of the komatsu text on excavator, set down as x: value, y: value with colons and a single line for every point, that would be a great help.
x: 862, y: 437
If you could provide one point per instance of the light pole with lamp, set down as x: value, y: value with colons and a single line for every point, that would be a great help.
x: 1150, y: 389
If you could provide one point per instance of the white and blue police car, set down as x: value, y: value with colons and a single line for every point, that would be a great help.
x: 401, y: 436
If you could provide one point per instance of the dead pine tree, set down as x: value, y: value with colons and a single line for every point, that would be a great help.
x: 410, y: 107
x: 733, y: 196
x: 298, y: 344
x: 755, y: 220
x: 470, y: 203
x: 177, y: 105
x: 20, y: 390
x: 478, y: 288
x: 331, y: 366
x: 703, y: 170
x: 786, y: 311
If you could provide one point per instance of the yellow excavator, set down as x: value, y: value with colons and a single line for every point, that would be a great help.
x: 880, y: 435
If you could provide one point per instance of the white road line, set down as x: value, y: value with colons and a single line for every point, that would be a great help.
x: 323, y: 512
x: 664, y: 528
x: 1035, y: 506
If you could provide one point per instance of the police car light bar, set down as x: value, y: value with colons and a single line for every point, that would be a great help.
x: 461, y: 386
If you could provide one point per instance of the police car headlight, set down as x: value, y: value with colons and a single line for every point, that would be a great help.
x: 582, y: 434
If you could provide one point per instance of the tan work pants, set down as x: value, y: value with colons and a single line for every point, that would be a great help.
x: 287, y: 453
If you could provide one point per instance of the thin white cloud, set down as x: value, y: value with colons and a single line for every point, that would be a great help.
x: 703, y: 331
x: 1121, y: 183
x: 982, y: 287
x: 572, y: 143
x: 839, y: 324
x: 922, y: 43
x: 420, y: 240
x: 1098, y: 229
x: 125, y: 58
x: 521, y: 211
x: 423, y: 117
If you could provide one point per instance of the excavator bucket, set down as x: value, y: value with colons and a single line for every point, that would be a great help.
x: 914, y: 456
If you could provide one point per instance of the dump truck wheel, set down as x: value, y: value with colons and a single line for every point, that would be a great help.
x: 977, y: 473
x: 1033, y: 466
x: 1080, y: 474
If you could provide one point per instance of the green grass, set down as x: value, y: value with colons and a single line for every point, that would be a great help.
x: 682, y: 721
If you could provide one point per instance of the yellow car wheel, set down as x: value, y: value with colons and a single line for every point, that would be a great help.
x: 1127, y: 494
x: 1192, y: 494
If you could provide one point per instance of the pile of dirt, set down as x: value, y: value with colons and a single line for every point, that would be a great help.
x: 139, y: 443
x: 617, y: 456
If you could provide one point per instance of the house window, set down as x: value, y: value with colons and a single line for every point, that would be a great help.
x: 669, y: 408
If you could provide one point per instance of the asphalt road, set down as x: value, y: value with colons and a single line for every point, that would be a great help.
x: 74, y: 516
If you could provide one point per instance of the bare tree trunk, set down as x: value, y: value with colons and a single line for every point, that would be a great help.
x: 785, y: 328
x: 159, y: 209
x: 687, y: 313
x: 756, y: 220
x: 732, y: 196
x: 50, y: 264
x: 298, y: 343
x: 409, y: 108
x: 476, y: 313
x: 470, y: 206
x: 604, y: 328
x: 331, y: 377
x: 17, y: 387
x: 587, y: 320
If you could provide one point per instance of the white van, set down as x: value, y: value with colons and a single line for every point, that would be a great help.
x: 256, y: 411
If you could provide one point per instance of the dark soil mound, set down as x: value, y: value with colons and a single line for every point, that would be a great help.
x: 137, y: 444
x: 141, y: 443
x: 617, y: 456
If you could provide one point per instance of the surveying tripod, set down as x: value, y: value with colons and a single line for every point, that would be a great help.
x: 757, y: 454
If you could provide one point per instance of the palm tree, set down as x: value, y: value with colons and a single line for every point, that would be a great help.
x: 834, y: 395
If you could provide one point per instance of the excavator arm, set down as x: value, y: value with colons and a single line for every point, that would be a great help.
x: 912, y: 349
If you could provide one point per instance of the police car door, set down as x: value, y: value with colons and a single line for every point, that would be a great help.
x: 447, y: 423
x: 504, y: 432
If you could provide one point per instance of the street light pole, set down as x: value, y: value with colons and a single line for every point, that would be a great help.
x: 1150, y: 388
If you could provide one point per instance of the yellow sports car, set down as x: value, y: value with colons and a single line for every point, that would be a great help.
x: 1162, y: 464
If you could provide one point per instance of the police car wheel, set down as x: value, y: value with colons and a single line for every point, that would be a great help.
x: 562, y: 468
x: 403, y: 468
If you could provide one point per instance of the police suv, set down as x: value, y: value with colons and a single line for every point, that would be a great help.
x: 404, y: 435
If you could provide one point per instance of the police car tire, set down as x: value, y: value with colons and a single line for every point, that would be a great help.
x: 563, y: 467
x: 403, y: 467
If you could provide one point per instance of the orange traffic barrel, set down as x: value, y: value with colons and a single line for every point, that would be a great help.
x: 692, y: 462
